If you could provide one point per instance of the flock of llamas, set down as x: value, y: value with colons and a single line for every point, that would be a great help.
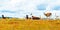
x: 48, y: 14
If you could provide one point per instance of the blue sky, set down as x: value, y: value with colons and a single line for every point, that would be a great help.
x: 41, y: 7
x: 19, y: 8
x: 56, y: 7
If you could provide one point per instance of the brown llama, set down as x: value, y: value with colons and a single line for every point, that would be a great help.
x: 33, y: 17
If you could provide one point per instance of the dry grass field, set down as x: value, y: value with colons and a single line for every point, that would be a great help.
x: 24, y: 24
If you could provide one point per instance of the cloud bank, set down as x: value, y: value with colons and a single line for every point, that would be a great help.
x: 19, y: 8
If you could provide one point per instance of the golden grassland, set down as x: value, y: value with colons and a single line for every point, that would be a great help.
x: 24, y: 24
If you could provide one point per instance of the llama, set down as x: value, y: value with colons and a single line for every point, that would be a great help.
x: 26, y: 16
x: 33, y: 17
x: 3, y: 17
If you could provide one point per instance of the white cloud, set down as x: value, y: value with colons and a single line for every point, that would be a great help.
x: 23, y: 7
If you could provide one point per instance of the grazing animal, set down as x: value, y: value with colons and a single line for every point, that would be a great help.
x: 3, y: 17
x: 33, y: 17
x: 27, y: 17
